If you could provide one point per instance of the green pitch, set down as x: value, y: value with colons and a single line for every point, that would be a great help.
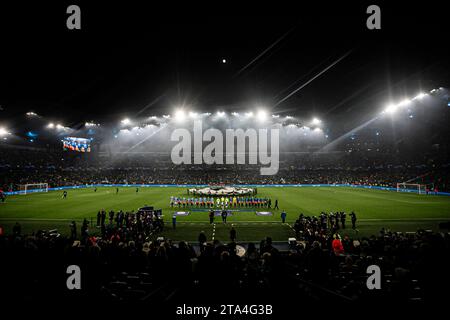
x: 374, y: 208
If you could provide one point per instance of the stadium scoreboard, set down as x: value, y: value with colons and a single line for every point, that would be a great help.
x: 76, y: 144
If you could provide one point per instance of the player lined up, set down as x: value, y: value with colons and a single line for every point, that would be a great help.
x: 222, y: 202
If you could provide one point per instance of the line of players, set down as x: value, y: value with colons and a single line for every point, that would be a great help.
x: 222, y: 202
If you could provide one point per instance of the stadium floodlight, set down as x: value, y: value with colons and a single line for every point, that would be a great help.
x: 275, y: 116
x: 125, y: 121
x: 262, y: 115
x: 193, y: 114
x: 420, y: 96
x: 317, y: 130
x: 391, y: 109
x: 289, y: 117
x: 91, y: 124
x: 316, y: 121
x: 404, y: 103
x: 220, y: 114
x: 235, y: 114
x: 166, y: 116
x: 3, y: 132
x: 249, y: 114
x: 153, y: 117
x: 180, y: 115
x: 31, y: 114
x: 51, y: 125
x: 59, y: 126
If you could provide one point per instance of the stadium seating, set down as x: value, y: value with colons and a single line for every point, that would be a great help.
x: 164, y: 271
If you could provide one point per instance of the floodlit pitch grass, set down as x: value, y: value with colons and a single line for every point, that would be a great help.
x: 375, y: 209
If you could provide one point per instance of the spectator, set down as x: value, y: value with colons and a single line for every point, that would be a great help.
x: 17, y: 229
x: 233, y: 234
x: 73, y: 230
x: 338, y: 249
x: 283, y: 217
x: 174, y: 221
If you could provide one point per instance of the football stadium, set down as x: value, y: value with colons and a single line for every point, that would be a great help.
x: 225, y: 170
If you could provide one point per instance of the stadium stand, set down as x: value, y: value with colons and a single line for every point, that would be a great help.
x: 361, y: 168
x: 130, y: 268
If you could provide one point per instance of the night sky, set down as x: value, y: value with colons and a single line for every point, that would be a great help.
x: 135, y: 60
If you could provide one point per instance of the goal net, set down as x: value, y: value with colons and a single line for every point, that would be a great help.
x: 415, y: 187
x: 33, y: 187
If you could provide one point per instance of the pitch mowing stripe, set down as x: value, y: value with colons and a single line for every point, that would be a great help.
x: 381, y: 194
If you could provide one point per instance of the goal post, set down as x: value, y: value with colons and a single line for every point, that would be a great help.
x: 33, y: 188
x: 415, y: 187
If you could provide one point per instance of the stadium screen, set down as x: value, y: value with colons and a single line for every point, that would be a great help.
x: 77, y: 144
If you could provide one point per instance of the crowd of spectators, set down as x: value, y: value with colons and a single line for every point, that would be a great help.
x: 323, y: 262
x: 58, y: 168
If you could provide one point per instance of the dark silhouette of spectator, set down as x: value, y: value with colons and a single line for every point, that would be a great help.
x: 103, y: 218
x: 211, y: 216
x: 84, y: 229
x: 73, y: 230
x: 233, y: 234
x: 17, y: 229
x: 202, y: 240
x: 174, y: 221
x: 353, y: 217
x: 343, y: 219
x: 224, y: 216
